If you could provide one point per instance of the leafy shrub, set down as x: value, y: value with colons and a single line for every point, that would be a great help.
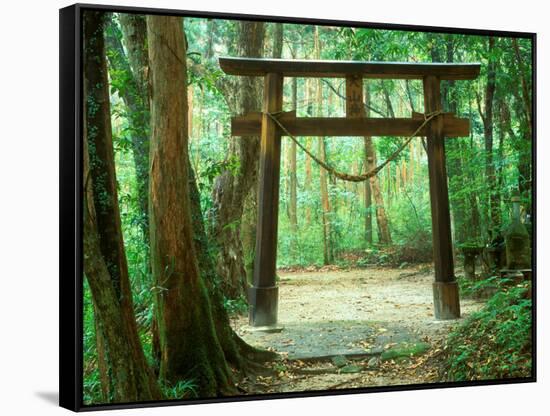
x: 495, y: 342
x: 237, y: 306
x: 479, y: 289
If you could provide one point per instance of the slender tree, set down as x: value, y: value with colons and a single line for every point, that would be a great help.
x: 524, y: 145
x: 463, y: 232
x: 384, y: 235
x: 308, y: 175
x: 128, y: 72
x: 367, y: 195
x: 292, y: 168
x: 487, y: 118
x: 328, y: 256
x: 277, y: 40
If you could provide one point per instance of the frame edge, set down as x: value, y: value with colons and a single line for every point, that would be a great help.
x: 70, y: 286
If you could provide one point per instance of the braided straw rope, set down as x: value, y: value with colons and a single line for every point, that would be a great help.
x: 346, y: 176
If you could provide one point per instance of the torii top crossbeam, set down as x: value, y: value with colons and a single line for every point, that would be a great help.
x: 250, y: 124
x: 341, y: 69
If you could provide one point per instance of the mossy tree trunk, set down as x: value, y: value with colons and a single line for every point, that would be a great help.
x: 190, y: 348
x: 130, y: 66
x: 238, y: 354
x: 105, y: 263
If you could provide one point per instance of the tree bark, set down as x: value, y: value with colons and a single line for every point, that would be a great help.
x: 487, y: 117
x: 278, y: 40
x: 463, y: 230
x: 524, y: 86
x: 190, y: 349
x: 307, y: 167
x: 524, y: 165
x: 105, y: 263
x: 211, y: 32
x: 133, y: 91
x: 328, y: 255
x: 240, y: 355
x: 292, y: 180
x: 232, y: 188
x: 522, y: 145
x: 102, y: 358
x: 384, y: 235
x: 367, y: 192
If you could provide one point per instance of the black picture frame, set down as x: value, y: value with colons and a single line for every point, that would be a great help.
x: 70, y: 214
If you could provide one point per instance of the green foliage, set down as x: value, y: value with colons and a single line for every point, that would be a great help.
x: 92, y: 388
x: 481, y: 288
x: 183, y: 389
x: 92, y: 385
x: 237, y: 306
x: 496, y: 342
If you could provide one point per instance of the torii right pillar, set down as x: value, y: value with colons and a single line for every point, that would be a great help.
x: 445, y: 287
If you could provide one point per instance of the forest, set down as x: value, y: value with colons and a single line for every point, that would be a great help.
x: 170, y: 214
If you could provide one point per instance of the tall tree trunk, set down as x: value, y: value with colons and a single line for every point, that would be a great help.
x: 239, y: 354
x: 190, y: 348
x: 487, y: 117
x: 463, y: 230
x: 524, y: 165
x: 387, y: 98
x: 133, y: 66
x: 519, y: 142
x: 384, y: 235
x: 292, y: 180
x: 211, y: 31
x: 526, y: 96
x: 277, y: 40
x: 367, y: 145
x: 232, y: 188
x: 472, y: 199
x: 248, y: 233
x: 307, y: 167
x: 499, y: 186
x: 105, y: 263
x: 134, y: 30
x: 328, y: 256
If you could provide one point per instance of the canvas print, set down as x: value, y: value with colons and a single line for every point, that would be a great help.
x: 280, y: 207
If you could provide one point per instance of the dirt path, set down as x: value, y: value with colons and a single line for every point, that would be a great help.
x: 364, y: 327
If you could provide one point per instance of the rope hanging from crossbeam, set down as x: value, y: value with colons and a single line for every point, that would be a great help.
x: 346, y: 176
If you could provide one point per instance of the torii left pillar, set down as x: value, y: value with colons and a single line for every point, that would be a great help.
x: 263, y: 295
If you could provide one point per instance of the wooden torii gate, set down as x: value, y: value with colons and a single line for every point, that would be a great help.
x: 263, y: 295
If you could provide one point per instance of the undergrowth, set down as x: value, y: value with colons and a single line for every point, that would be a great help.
x: 495, y: 342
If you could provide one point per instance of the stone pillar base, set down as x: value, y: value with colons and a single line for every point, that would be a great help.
x: 263, y: 303
x: 446, y: 300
